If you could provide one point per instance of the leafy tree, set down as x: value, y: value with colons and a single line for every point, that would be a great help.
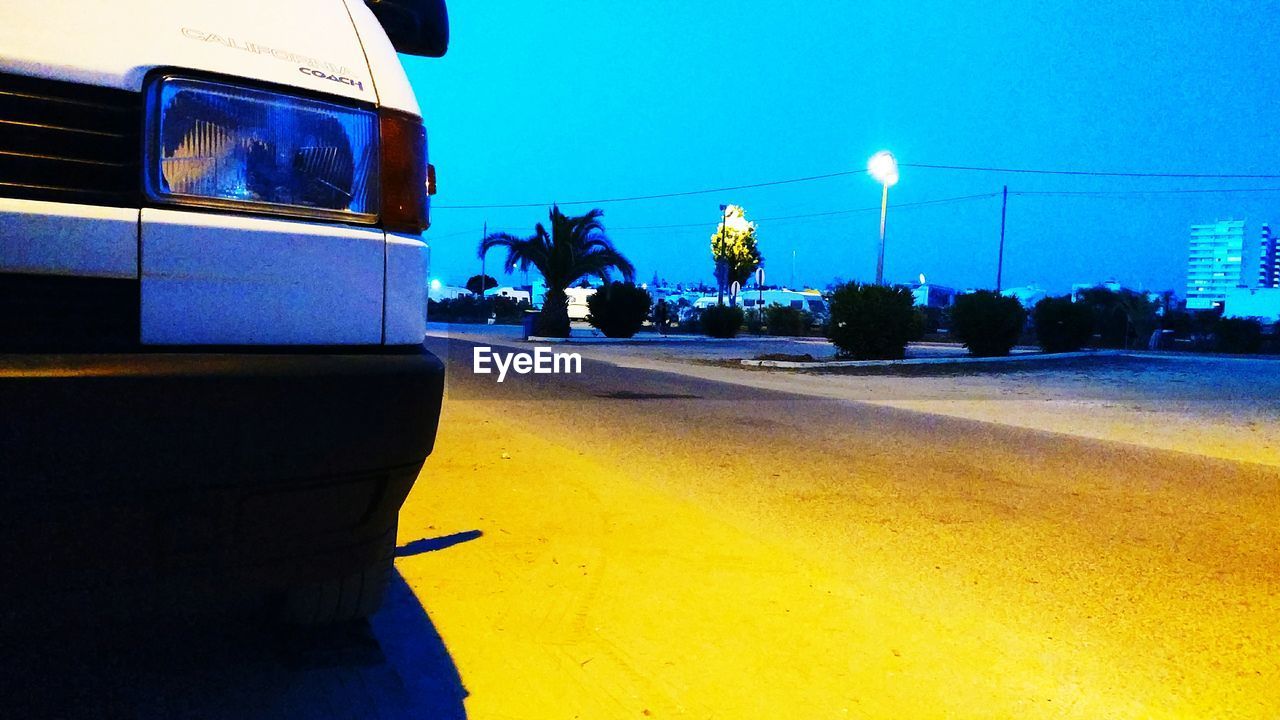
x: 618, y: 309
x: 1140, y: 316
x: 573, y: 248
x: 1121, y: 319
x: 1238, y: 335
x: 662, y: 315
x: 478, y: 285
x: 1199, y: 327
x: 872, y: 322
x: 987, y: 323
x: 1063, y: 325
x: 734, y: 246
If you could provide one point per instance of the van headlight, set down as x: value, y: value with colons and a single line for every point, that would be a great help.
x: 216, y: 145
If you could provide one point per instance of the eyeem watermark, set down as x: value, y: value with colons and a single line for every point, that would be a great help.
x: 542, y: 361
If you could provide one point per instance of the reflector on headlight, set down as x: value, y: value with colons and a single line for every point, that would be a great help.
x: 219, y: 145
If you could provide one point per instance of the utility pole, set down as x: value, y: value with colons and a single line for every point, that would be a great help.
x: 482, y: 254
x: 722, y: 267
x: 884, y: 206
x: 1004, y: 207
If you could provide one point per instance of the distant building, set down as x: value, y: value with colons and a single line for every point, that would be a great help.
x: 1028, y: 295
x: 438, y: 291
x: 1258, y: 303
x: 938, y: 296
x: 1269, y: 254
x: 1218, y: 261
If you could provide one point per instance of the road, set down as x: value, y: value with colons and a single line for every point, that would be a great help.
x: 660, y: 545
x: 633, y: 543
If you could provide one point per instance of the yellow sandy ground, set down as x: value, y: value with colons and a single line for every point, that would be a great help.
x: 595, y: 593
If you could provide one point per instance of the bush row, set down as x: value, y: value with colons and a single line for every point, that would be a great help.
x: 877, y: 322
x: 474, y: 309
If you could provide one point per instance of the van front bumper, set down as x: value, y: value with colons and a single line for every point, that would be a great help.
x: 223, y: 471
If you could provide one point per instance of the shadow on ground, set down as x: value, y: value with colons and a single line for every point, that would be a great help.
x: 393, y: 666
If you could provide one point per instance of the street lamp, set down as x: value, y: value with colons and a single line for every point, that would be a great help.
x: 722, y: 268
x: 883, y: 168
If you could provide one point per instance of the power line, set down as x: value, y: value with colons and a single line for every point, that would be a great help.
x: 1137, y: 193
x: 655, y: 197
x: 847, y: 173
x: 938, y: 201
x: 1092, y: 173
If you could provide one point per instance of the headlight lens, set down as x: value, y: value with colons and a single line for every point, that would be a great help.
x: 217, y: 145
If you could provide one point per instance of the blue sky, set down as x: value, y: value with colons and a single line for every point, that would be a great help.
x: 541, y: 102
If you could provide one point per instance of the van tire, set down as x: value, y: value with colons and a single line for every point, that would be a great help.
x: 339, y: 600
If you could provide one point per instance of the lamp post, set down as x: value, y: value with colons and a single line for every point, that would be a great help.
x: 722, y: 268
x: 883, y: 168
x: 760, y: 292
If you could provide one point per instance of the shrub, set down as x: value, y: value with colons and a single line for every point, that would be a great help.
x: 1062, y: 325
x: 458, y: 310
x: 507, y: 311
x: 872, y: 321
x: 618, y: 309
x: 1238, y: 335
x: 932, y: 319
x: 721, y: 321
x: 988, y: 324
x: 786, y: 320
x: 467, y: 309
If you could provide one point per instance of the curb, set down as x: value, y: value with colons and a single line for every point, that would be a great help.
x: 638, y: 339
x: 602, y: 340
x: 787, y: 364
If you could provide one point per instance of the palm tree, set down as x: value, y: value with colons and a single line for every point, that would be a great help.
x: 573, y: 249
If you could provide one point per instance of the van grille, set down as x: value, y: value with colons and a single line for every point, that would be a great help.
x: 65, y: 142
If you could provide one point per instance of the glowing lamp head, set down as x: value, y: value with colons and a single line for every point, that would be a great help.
x: 735, y: 218
x: 883, y: 168
x: 435, y: 284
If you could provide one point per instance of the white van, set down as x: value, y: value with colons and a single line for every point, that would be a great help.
x: 212, y: 297
x: 810, y: 302
x: 577, y: 301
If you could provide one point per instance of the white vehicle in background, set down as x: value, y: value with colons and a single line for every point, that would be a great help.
x: 810, y: 301
x: 706, y: 301
x: 578, y: 297
x: 509, y: 292
x: 212, y: 298
x: 750, y: 299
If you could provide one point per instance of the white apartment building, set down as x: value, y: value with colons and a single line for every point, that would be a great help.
x: 1216, y: 263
